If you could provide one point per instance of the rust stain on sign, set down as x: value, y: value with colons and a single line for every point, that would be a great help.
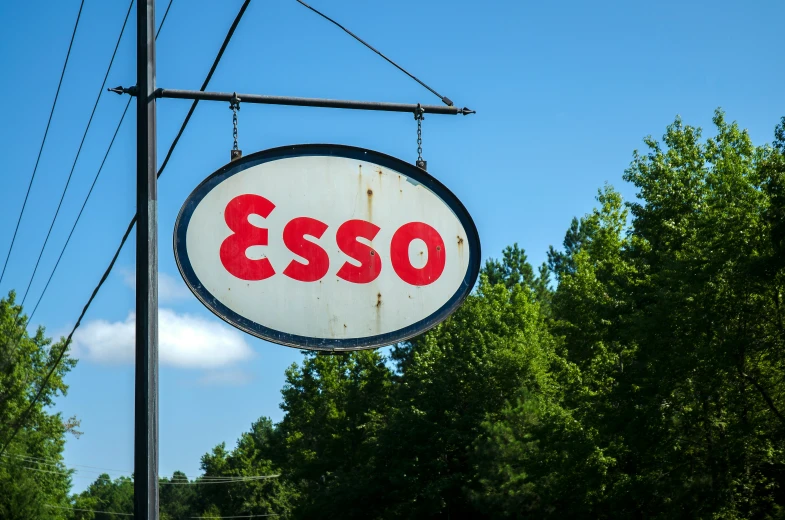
x: 369, y: 192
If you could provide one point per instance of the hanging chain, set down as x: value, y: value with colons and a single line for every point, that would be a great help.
x: 418, y: 115
x: 234, y: 105
x: 419, y: 140
x: 234, y: 132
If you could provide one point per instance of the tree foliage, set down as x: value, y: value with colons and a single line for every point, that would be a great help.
x: 33, y: 481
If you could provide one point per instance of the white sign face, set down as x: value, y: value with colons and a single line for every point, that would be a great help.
x: 327, y: 247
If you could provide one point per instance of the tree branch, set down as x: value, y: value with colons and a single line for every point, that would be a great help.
x: 766, y: 397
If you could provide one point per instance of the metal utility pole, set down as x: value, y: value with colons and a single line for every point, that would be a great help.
x: 146, y: 377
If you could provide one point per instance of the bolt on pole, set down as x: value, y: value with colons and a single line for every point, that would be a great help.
x: 146, y: 375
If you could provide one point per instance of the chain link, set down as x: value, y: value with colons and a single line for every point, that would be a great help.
x: 234, y: 124
x: 234, y: 104
x: 419, y: 116
x: 419, y: 139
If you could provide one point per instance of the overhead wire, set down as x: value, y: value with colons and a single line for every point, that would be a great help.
x: 60, y: 463
x: 89, y: 510
x: 79, y: 215
x: 131, y: 514
x: 78, y: 151
x: 95, y: 179
x: 70, y: 234
x: 200, y: 481
x: 447, y: 101
x: 61, y: 469
x: 131, y: 224
x: 92, y: 296
x: 43, y: 141
x: 56, y: 463
x: 237, y: 516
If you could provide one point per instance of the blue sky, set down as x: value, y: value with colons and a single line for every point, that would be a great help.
x: 564, y: 91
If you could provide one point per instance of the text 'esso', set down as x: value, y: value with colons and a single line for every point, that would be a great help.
x: 245, y: 235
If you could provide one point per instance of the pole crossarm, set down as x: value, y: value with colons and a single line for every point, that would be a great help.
x: 299, y: 101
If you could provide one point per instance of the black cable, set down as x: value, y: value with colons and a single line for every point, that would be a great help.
x: 88, y: 510
x: 131, y: 224
x: 444, y: 99
x: 205, y: 83
x: 43, y: 141
x: 57, y: 361
x: 95, y: 179
x: 166, y: 13
x: 78, y: 152
x: 78, y: 216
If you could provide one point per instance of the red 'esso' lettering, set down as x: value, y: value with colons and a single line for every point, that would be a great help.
x: 233, y: 256
x: 294, y: 237
x: 399, y: 254
x: 244, y: 235
x: 371, y: 263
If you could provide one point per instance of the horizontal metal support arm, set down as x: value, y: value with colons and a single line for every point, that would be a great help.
x: 300, y: 102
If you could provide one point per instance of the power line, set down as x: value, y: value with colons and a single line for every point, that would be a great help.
x: 78, y: 153
x: 125, y: 236
x: 58, y: 469
x: 131, y: 514
x: 79, y: 150
x: 92, y: 469
x: 57, y: 463
x: 79, y: 215
x: 444, y: 99
x: 90, y: 510
x: 166, y: 13
x: 95, y: 179
x: 57, y: 361
x: 204, y: 84
x: 70, y: 472
x: 48, y: 471
x: 43, y: 141
x: 237, y: 516
x: 228, y: 481
x: 217, y: 480
x: 168, y: 154
x: 100, y: 283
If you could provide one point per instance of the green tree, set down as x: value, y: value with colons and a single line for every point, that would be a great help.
x: 177, y: 497
x: 106, y: 495
x: 256, y: 488
x: 33, y: 481
x: 543, y: 455
x: 671, y: 334
x: 514, y: 269
x: 336, y: 405
x: 708, y: 389
x: 450, y: 381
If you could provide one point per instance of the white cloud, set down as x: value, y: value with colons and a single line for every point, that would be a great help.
x: 185, y: 341
x: 170, y: 288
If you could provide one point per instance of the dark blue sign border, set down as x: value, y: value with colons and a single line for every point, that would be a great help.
x: 311, y: 343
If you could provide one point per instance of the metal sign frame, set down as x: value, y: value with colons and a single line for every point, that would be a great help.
x: 325, y: 344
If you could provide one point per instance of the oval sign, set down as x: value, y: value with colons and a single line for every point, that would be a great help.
x: 327, y: 247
